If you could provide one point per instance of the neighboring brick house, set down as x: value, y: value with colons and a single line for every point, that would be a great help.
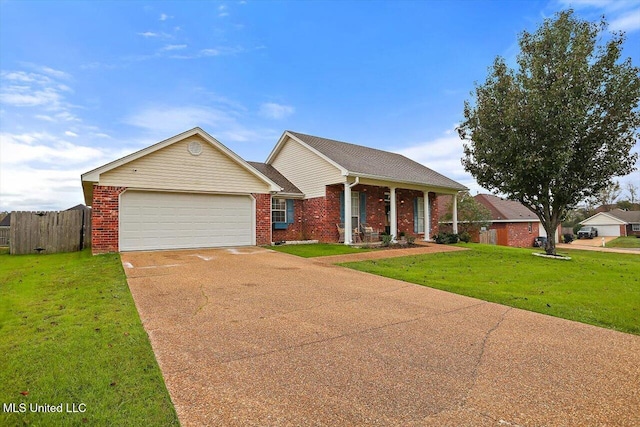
x: 191, y: 191
x: 515, y: 224
x: 616, y: 222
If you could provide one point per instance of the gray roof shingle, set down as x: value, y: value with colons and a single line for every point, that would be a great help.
x: 505, y: 209
x: 360, y: 160
x: 631, y: 217
x: 275, y: 176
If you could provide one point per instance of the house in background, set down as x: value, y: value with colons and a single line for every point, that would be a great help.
x: 190, y: 191
x: 515, y: 224
x: 615, y: 223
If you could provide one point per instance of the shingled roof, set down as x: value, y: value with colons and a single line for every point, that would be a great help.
x: 504, y: 209
x: 630, y: 217
x: 374, y: 163
x: 275, y: 176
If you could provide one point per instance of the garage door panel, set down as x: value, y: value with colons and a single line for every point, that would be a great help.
x: 157, y: 220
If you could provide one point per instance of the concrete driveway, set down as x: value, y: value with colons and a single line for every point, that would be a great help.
x: 252, y: 337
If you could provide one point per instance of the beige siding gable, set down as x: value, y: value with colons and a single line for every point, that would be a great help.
x: 305, y: 169
x: 175, y: 168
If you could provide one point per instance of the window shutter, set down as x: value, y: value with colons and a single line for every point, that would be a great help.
x: 342, y: 207
x: 363, y: 207
x: 290, y: 211
x: 415, y: 215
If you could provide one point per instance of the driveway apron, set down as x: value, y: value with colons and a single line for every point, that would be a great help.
x: 253, y: 337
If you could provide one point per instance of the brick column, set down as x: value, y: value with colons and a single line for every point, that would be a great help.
x: 105, y: 219
x: 263, y: 219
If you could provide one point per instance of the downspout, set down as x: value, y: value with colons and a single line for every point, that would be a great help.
x: 348, y: 229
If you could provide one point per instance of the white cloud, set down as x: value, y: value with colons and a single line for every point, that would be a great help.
x: 173, y: 120
x: 151, y: 34
x: 621, y: 15
x: 174, y: 47
x: 69, y: 133
x: 628, y: 23
x: 272, y: 110
x: 443, y: 155
x: 42, y: 147
x: 223, y: 11
x: 164, y: 17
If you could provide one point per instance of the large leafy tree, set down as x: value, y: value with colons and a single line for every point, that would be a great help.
x: 555, y: 130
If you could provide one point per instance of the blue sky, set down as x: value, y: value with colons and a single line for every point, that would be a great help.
x: 84, y: 83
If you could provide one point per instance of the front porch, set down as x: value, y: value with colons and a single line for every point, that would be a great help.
x: 386, y: 208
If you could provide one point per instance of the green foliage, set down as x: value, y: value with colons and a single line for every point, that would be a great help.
x: 444, y: 238
x: 386, y: 240
x: 472, y: 216
x: 465, y: 237
x: 70, y: 333
x: 598, y: 288
x: 411, y: 240
x: 555, y: 131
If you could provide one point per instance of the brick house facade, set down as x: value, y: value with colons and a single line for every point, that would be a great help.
x: 147, y: 201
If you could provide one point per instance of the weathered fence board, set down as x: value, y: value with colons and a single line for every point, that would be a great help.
x: 489, y: 237
x: 4, y: 236
x: 48, y: 232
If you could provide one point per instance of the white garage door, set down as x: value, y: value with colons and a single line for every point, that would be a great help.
x: 608, y: 230
x: 157, y: 220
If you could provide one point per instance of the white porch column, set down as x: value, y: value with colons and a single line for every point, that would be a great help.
x: 427, y: 217
x: 393, y: 220
x: 455, y: 213
x: 347, y: 214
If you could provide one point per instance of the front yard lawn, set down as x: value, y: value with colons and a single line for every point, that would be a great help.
x: 317, y: 249
x: 70, y: 335
x: 624, y: 242
x: 598, y: 288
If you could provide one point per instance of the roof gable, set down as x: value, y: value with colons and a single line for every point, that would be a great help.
x: 273, y: 174
x: 94, y: 176
x: 608, y: 218
x: 358, y: 160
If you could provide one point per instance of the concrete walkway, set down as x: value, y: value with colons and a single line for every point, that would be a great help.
x: 253, y: 337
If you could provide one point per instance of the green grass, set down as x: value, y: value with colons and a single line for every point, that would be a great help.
x: 624, y: 242
x: 70, y: 333
x: 598, y: 288
x: 318, y: 249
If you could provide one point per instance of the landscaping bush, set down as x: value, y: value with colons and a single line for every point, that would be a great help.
x: 465, y: 237
x: 446, y: 238
x: 386, y: 240
x: 568, y: 238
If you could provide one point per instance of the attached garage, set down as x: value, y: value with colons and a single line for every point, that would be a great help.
x: 165, y: 220
x: 186, y: 192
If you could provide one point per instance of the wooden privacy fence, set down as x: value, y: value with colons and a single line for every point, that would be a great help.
x: 49, y: 232
x: 489, y: 237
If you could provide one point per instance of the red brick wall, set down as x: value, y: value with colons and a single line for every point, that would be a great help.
x: 263, y: 219
x: 321, y: 214
x: 435, y: 214
x: 104, y: 219
x: 374, y: 209
x: 518, y: 234
x: 295, y: 230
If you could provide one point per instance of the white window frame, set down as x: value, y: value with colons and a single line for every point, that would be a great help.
x: 635, y: 227
x: 275, y: 208
x: 355, y: 207
x: 420, y: 215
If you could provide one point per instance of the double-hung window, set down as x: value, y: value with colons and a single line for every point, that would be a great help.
x: 278, y: 210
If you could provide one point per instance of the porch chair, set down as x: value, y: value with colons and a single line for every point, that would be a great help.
x: 369, y: 234
x: 340, y: 228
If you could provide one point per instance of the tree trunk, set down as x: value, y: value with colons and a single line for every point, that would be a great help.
x: 550, y: 246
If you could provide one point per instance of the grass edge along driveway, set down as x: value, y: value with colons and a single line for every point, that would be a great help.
x: 70, y: 334
x: 597, y: 288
